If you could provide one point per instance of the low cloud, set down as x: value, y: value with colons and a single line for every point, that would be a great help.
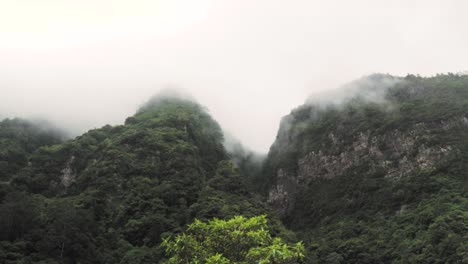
x: 371, y: 89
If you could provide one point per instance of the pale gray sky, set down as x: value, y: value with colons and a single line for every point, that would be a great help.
x: 87, y: 63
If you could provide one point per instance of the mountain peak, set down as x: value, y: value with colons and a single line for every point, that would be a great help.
x: 167, y: 96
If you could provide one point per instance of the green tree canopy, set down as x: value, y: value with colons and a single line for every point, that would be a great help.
x: 238, y: 240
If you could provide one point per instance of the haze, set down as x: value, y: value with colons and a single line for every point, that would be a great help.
x: 84, y: 64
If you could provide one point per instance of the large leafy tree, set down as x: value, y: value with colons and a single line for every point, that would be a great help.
x: 238, y: 240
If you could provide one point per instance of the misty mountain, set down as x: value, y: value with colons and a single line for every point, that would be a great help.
x: 110, y: 195
x: 380, y: 177
x: 374, y: 172
x: 19, y: 138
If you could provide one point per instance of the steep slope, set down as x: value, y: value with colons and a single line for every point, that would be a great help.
x: 111, y: 194
x: 379, y: 177
x: 248, y: 162
x: 18, y: 139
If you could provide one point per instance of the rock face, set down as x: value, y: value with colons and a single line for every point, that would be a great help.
x: 359, y: 141
x: 395, y: 153
x: 282, y: 194
x: 376, y: 179
x: 68, y: 176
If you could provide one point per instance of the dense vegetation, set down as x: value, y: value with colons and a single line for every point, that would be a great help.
x: 390, y: 213
x: 18, y: 139
x: 114, y: 194
x: 237, y: 241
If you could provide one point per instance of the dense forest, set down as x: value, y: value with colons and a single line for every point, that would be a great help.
x: 376, y: 177
x: 380, y: 178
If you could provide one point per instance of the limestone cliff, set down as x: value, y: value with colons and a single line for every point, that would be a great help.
x: 412, y: 129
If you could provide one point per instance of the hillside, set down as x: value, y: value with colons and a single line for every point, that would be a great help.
x: 381, y: 176
x: 374, y: 172
x: 110, y: 195
x: 18, y: 139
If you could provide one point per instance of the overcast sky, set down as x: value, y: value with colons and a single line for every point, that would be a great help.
x: 87, y: 63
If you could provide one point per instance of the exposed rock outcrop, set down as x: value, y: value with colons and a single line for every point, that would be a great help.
x: 68, y: 175
x: 394, y: 153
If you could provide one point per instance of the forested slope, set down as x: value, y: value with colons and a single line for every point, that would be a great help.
x: 110, y: 195
x: 18, y: 139
x: 375, y: 173
x: 380, y: 177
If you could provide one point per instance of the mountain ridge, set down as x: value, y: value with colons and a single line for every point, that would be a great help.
x: 375, y: 176
x: 365, y: 165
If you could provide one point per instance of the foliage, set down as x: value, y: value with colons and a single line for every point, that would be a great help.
x: 18, y: 139
x: 237, y: 240
x: 112, y: 194
x: 109, y: 195
x: 432, y: 231
x: 365, y: 215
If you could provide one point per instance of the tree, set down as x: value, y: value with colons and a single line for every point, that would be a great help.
x: 18, y: 216
x: 238, y: 240
x: 70, y: 233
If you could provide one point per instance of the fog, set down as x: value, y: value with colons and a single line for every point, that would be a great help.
x: 84, y: 64
x: 370, y: 89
